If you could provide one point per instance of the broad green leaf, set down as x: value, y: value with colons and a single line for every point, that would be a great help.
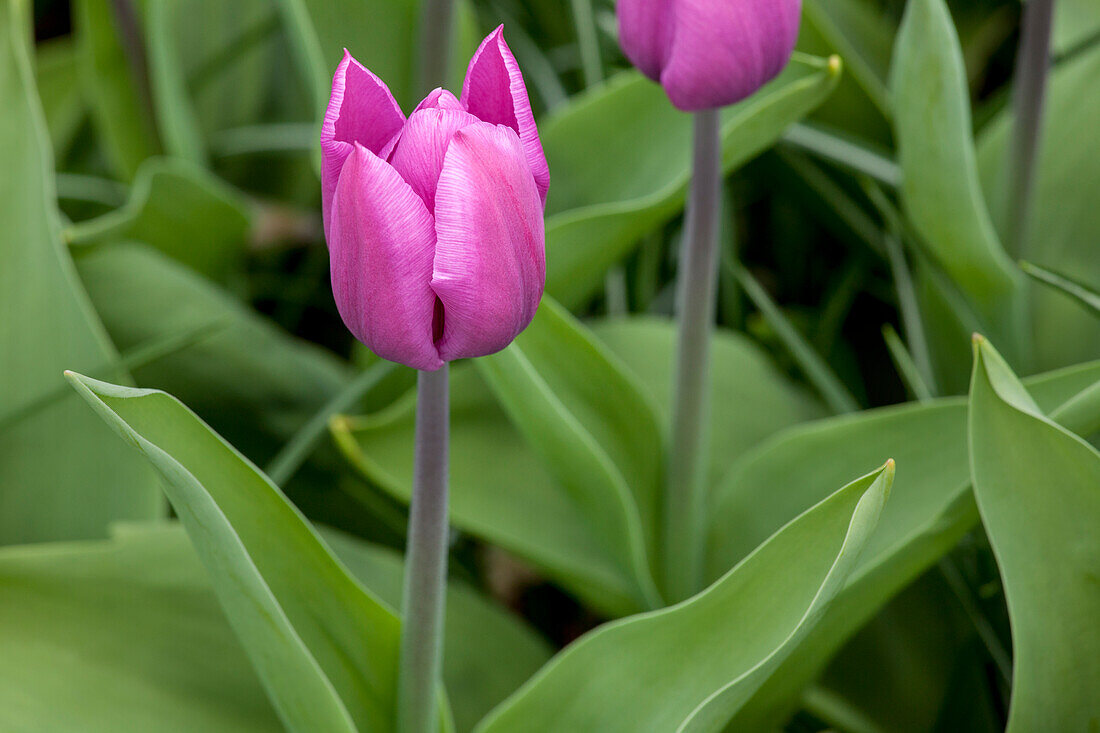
x: 182, y: 210
x: 591, y: 425
x: 752, y: 400
x: 940, y: 190
x: 61, y: 475
x: 1064, y: 224
x: 930, y: 508
x: 105, y: 636
x: 621, y: 161
x: 57, y: 80
x: 691, y: 667
x: 487, y: 651
x: 121, y: 108
x: 381, y: 34
x: 1083, y: 294
x: 253, y: 383
x: 1076, y: 22
x: 501, y: 490
x: 325, y: 648
x: 128, y: 633
x: 1038, y: 489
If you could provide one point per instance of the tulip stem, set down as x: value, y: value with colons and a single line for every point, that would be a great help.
x: 425, y: 560
x: 698, y: 276
x: 1032, y: 66
x: 436, y: 32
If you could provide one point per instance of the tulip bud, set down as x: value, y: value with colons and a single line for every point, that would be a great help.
x: 435, y: 223
x: 709, y: 53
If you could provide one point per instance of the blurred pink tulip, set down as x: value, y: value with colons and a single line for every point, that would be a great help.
x: 709, y: 53
x: 435, y: 223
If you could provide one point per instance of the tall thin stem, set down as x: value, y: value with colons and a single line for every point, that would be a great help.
x: 1032, y: 65
x: 436, y: 34
x: 425, y: 560
x: 684, y: 501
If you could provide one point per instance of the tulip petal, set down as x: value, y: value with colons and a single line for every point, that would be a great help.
x: 419, y: 153
x: 723, y: 52
x: 490, y: 259
x: 361, y: 110
x: 494, y: 92
x: 381, y: 243
x: 645, y: 33
x: 439, y: 98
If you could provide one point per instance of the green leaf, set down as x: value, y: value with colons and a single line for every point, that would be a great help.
x: 591, y: 425
x: 930, y: 508
x: 1038, y: 489
x: 119, y: 98
x: 62, y: 476
x: 175, y: 115
x: 631, y: 675
x: 182, y: 210
x: 1064, y: 224
x: 621, y: 161
x: 501, y: 490
x: 252, y: 382
x: 1066, y: 285
x: 120, y: 635
x: 487, y: 651
x: 862, y: 35
x: 756, y: 400
x: 132, y: 632
x: 325, y: 648
x: 1076, y: 22
x: 940, y: 189
x: 383, y: 35
x: 57, y: 80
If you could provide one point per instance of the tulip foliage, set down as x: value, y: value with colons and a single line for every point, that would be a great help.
x: 233, y: 231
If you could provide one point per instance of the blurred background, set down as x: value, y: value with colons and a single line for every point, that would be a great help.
x: 184, y: 139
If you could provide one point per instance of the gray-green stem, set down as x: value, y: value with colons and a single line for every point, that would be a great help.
x: 425, y: 560
x: 1032, y: 66
x: 698, y: 276
x: 436, y: 33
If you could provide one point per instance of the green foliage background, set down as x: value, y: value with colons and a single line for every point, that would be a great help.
x: 161, y: 233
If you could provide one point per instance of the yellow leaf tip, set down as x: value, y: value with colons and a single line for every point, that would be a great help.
x: 834, y: 64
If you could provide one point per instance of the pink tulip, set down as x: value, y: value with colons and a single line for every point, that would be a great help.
x: 435, y: 223
x: 709, y: 53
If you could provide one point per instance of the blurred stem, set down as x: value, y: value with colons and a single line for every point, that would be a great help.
x: 425, y: 560
x: 1032, y: 65
x: 436, y: 33
x: 588, y: 41
x: 697, y: 284
x: 133, y: 45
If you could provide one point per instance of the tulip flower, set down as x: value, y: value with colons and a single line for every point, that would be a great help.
x: 435, y: 222
x: 709, y: 53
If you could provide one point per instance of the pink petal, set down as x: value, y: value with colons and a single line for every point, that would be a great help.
x: 490, y: 260
x: 494, y: 92
x: 645, y: 33
x: 439, y: 98
x: 418, y: 156
x: 360, y: 110
x: 722, y: 52
x: 381, y: 243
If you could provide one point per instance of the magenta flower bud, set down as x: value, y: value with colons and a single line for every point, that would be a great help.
x: 435, y: 223
x: 709, y: 53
